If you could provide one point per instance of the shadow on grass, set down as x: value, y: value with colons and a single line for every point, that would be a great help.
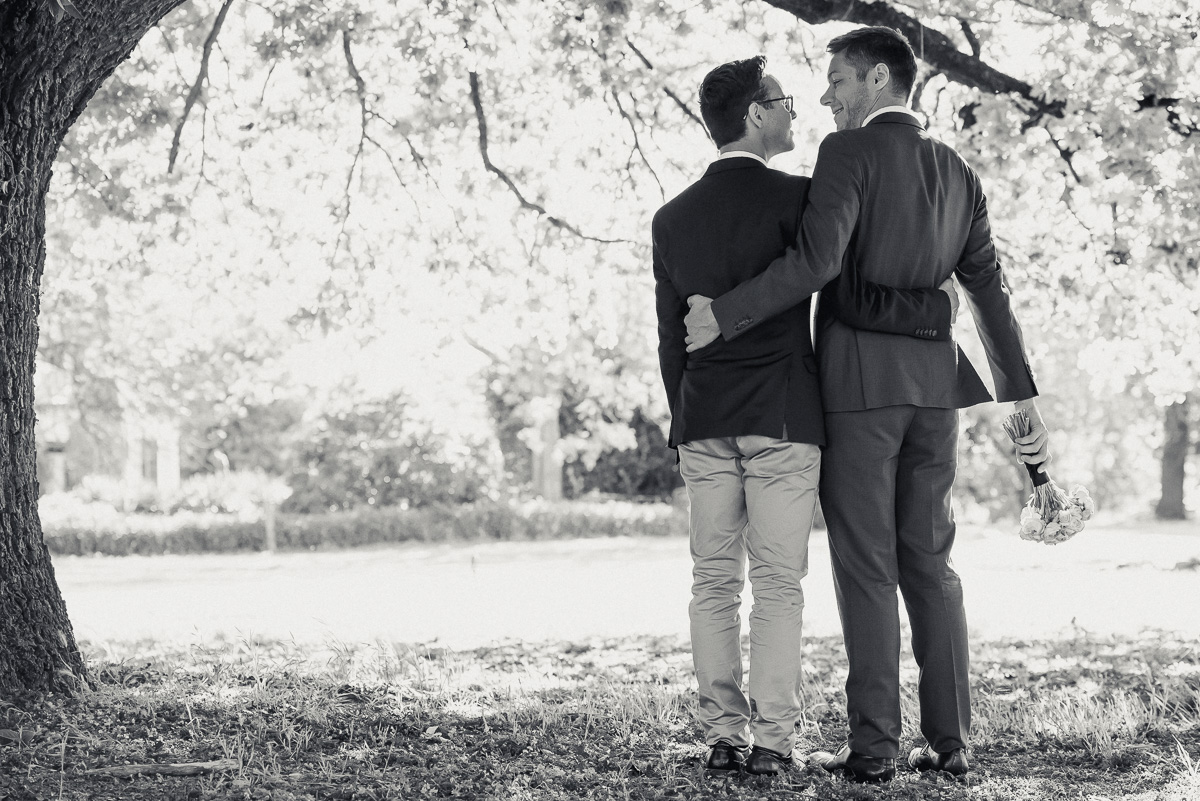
x: 1082, y: 718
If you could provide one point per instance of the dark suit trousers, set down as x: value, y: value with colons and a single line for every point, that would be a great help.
x: 885, y: 491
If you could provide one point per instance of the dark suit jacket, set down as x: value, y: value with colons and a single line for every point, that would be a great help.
x: 907, y: 211
x: 723, y: 230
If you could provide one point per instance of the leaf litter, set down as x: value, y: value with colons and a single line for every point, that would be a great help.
x: 1083, y: 717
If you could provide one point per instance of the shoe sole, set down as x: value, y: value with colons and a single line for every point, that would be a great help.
x: 854, y: 777
x: 925, y: 765
x: 954, y: 773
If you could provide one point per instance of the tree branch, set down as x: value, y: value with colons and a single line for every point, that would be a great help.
x: 972, y: 39
x: 400, y: 178
x: 419, y: 160
x: 933, y: 47
x: 667, y: 90
x: 1176, y: 123
x: 481, y: 119
x: 262, y: 96
x: 474, y: 343
x: 1066, y: 154
x: 360, y: 92
x: 201, y: 77
x: 166, y: 769
x: 637, y: 144
x: 200, y: 176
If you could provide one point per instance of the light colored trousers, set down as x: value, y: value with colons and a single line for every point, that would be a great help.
x: 750, y: 497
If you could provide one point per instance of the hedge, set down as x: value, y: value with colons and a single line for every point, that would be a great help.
x: 144, y: 534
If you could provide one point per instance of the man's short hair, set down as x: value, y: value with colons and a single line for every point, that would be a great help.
x: 866, y: 47
x: 726, y: 94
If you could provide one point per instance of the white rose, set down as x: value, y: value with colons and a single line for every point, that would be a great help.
x: 1082, y: 499
x: 1070, y: 520
x: 1032, y: 525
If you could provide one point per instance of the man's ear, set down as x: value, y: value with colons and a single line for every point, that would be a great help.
x: 754, y: 115
x: 880, y: 76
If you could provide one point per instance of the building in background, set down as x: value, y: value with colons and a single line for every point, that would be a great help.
x: 135, y: 455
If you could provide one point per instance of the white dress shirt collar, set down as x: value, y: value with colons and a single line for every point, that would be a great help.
x: 742, y: 154
x: 889, y: 110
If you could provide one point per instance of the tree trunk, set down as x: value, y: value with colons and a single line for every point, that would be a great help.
x: 48, y: 71
x: 1174, y: 462
x: 547, y: 458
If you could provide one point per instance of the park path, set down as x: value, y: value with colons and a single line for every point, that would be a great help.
x: 1110, y: 579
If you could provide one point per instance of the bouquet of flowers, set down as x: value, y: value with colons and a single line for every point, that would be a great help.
x: 1052, y: 514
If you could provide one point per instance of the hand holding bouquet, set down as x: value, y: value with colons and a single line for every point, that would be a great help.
x: 1052, y: 514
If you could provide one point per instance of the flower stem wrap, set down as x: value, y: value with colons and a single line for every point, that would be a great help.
x: 1036, y: 476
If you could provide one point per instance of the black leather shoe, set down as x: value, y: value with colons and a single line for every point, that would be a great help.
x: 765, y: 762
x: 724, y: 756
x: 953, y: 762
x: 856, y: 767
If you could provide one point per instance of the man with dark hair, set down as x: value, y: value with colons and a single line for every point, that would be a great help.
x: 902, y: 209
x: 746, y: 415
x: 726, y: 94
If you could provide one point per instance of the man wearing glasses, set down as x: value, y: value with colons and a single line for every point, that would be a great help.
x: 746, y: 414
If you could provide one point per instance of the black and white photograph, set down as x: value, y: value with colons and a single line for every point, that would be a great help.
x: 525, y: 400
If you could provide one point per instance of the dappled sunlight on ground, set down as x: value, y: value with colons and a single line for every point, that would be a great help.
x: 1079, y: 717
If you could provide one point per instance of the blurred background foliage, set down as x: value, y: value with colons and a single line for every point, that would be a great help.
x: 396, y: 254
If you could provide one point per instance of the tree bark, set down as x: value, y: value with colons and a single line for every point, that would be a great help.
x: 547, y: 458
x: 1176, y: 442
x: 49, y: 69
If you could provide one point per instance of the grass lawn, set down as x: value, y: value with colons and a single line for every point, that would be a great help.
x: 1080, y: 718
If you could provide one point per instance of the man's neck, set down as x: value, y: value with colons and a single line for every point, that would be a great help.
x: 747, y: 147
x: 741, y: 154
x: 887, y: 104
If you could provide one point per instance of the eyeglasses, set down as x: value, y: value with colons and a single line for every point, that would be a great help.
x: 787, y: 104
